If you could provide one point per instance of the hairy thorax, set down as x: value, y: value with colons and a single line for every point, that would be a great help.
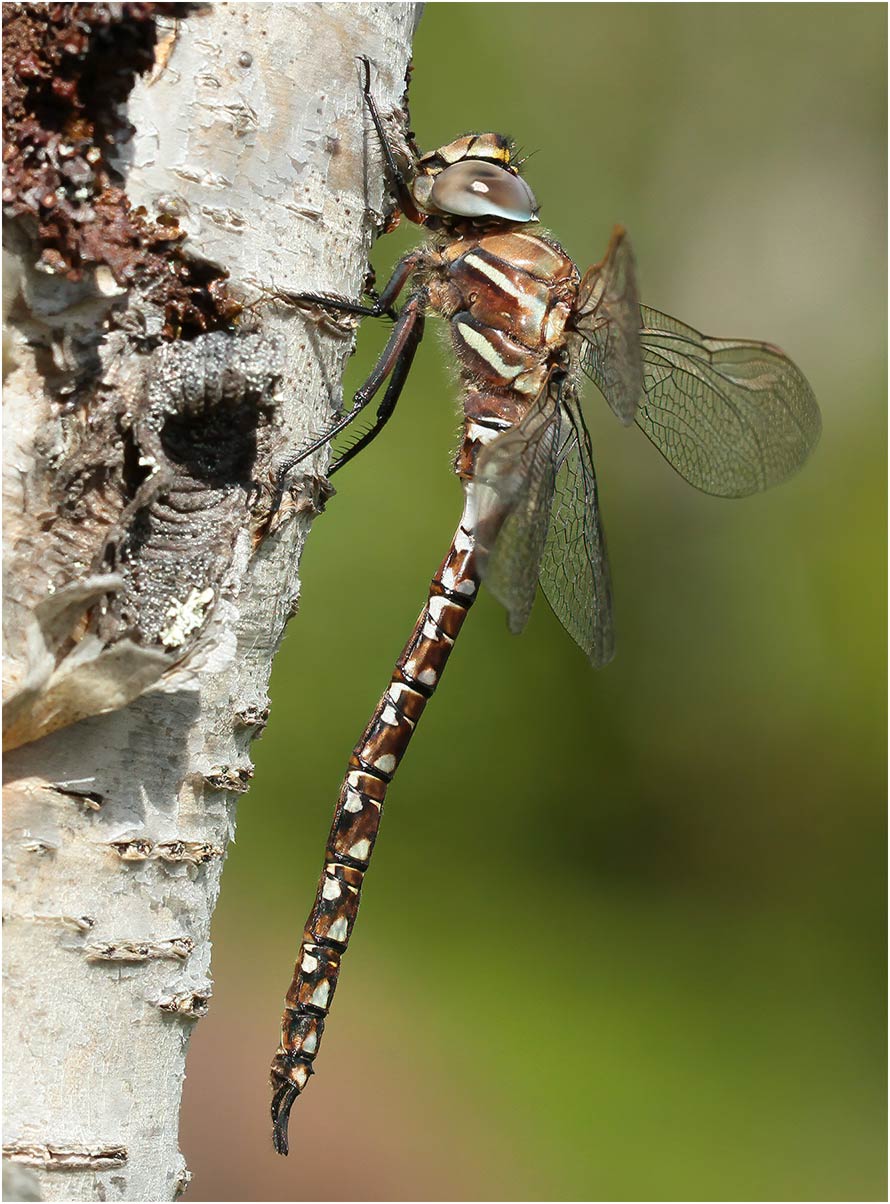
x: 507, y: 296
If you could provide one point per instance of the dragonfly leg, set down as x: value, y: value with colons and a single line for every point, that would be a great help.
x: 390, y: 397
x: 396, y: 175
x: 402, y: 335
x: 383, y: 305
x: 371, y: 768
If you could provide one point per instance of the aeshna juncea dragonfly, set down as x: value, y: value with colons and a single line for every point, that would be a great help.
x: 731, y: 416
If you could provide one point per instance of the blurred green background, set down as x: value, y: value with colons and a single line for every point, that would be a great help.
x: 624, y: 935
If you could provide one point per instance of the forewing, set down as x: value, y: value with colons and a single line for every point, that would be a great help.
x: 607, y: 317
x: 536, y: 516
x: 574, y: 567
x: 731, y: 416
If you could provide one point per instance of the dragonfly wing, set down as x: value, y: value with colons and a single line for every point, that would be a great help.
x: 574, y: 567
x: 512, y: 493
x: 607, y: 317
x: 537, y: 518
x: 731, y: 416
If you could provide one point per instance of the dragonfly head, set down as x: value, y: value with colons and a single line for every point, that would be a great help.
x: 473, y: 178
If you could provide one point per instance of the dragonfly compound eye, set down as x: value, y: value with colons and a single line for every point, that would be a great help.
x: 474, y: 188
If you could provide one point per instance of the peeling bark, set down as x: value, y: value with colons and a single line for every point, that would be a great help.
x: 167, y: 165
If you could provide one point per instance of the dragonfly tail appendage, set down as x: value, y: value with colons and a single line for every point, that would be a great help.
x: 282, y: 1102
x: 371, y: 768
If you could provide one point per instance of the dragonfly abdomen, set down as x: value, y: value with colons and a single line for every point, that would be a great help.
x: 372, y: 765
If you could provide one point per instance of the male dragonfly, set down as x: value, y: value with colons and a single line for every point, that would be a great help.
x: 731, y: 416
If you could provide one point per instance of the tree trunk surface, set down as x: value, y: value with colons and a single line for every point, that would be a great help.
x: 166, y: 166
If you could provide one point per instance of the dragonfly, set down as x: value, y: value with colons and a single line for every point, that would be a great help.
x: 731, y: 416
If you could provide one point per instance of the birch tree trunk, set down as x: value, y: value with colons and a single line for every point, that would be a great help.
x: 161, y: 169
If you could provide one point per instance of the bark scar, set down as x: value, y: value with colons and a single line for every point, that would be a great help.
x: 191, y: 1005
x: 176, y: 948
x: 194, y: 852
x: 50, y: 1156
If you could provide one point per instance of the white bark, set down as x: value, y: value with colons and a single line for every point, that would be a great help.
x: 251, y: 129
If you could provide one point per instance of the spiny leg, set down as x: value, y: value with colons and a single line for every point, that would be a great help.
x: 371, y: 768
x: 403, y: 341
x: 390, y: 398
x: 397, y: 177
x: 383, y: 302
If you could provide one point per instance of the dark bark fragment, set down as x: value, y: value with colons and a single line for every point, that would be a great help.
x: 67, y: 71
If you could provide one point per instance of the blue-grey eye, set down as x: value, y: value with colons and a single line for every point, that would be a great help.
x: 473, y: 188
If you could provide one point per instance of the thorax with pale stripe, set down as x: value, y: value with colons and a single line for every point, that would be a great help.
x: 508, y: 296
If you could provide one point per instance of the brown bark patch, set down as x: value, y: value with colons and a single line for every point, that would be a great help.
x: 67, y: 71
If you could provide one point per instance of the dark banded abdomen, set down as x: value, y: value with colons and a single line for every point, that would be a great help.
x: 508, y: 297
x: 372, y: 765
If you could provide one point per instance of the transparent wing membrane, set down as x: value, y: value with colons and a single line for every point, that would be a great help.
x: 607, y: 317
x: 575, y: 568
x: 513, y: 495
x: 731, y: 416
x: 537, y: 518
